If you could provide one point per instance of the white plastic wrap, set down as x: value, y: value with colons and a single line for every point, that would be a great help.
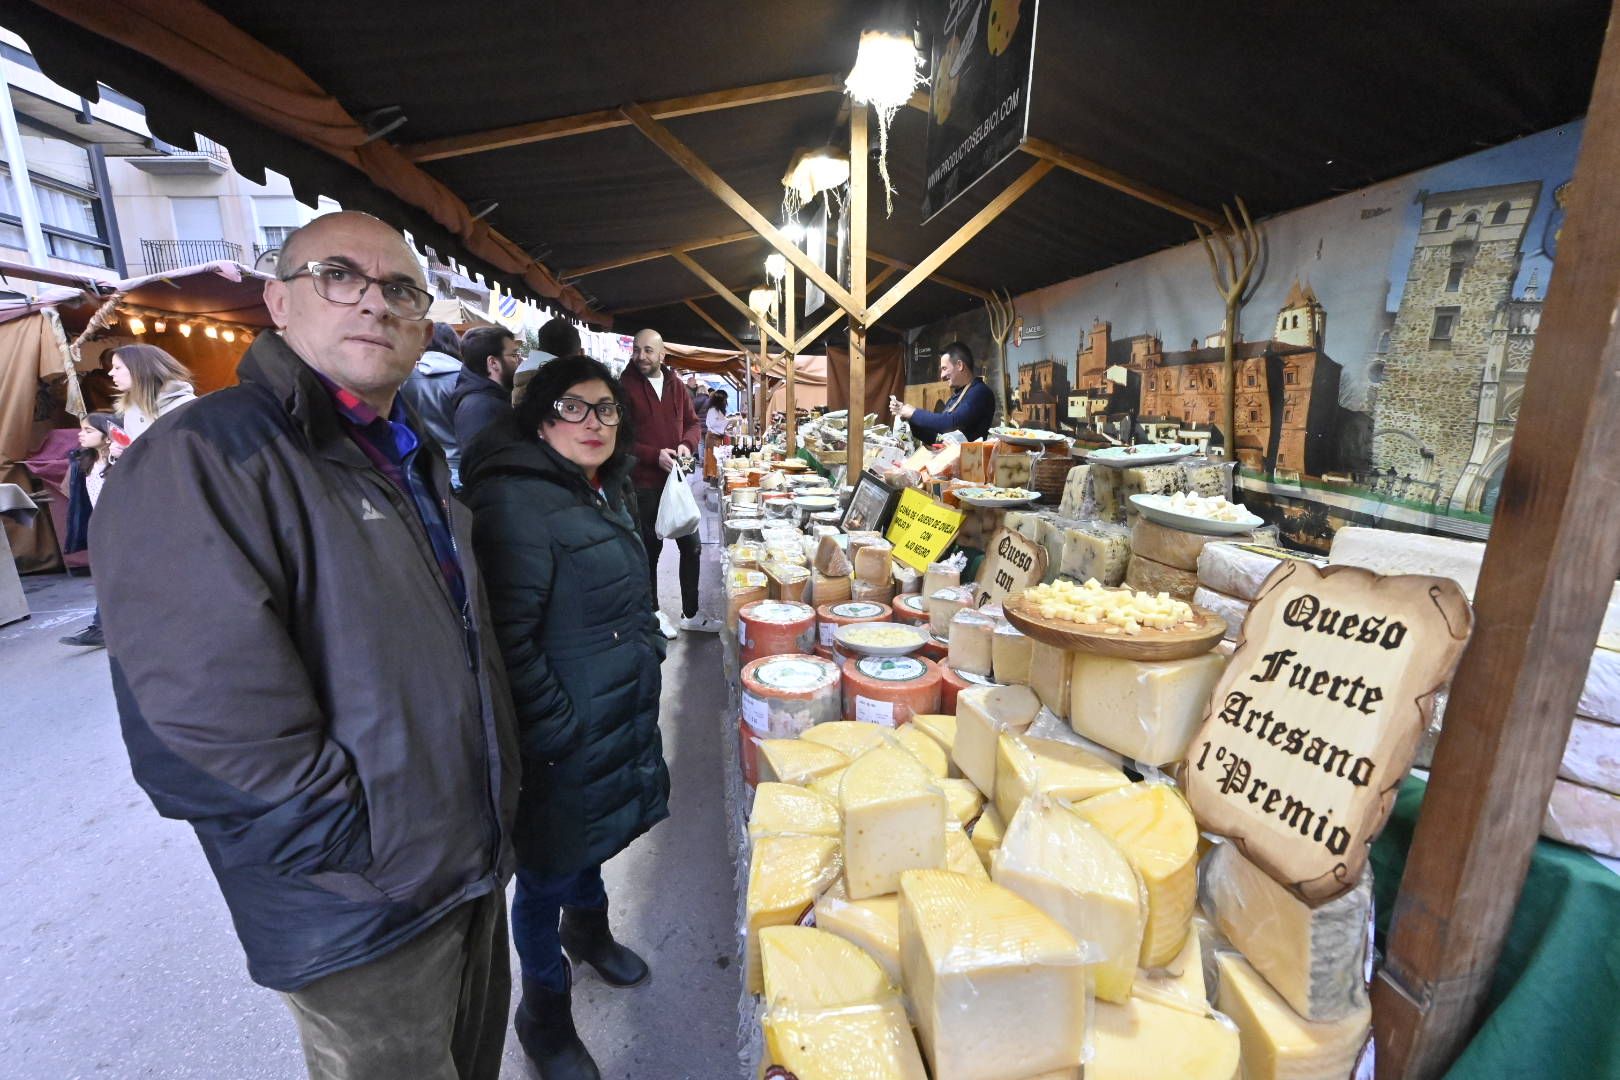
x: 1146, y: 710
x: 894, y: 821
x: 1027, y: 766
x: 826, y: 1042
x: 1154, y: 827
x: 1583, y: 817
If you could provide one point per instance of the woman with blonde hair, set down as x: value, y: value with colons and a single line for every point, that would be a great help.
x: 150, y: 382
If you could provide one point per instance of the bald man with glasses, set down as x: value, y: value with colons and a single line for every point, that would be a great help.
x: 306, y: 673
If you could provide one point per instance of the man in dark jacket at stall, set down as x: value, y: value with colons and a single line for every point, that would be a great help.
x: 489, y: 358
x: 666, y: 427
x: 970, y: 409
x: 318, y: 692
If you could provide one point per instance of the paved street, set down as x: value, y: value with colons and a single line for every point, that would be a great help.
x: 117, y: 957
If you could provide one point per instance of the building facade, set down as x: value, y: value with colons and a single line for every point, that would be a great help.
x: 1043, y: 394
x: 1448, y: 387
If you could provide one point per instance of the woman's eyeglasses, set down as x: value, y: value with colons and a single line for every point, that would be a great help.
x: 574, y: 410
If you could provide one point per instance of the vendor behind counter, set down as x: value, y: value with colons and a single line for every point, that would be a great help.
x: 970, y: 409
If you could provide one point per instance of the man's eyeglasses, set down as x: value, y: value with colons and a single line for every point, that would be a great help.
x: 574, y: 410
x: 345, y: 285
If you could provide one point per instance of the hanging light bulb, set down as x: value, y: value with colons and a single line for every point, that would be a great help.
x: 228, y: 334
x: 211, y: 331
x: 137, y: 325
x: 776, y: 266
x: 887, y: 72
x: 159, y: 326
x: 185, y: 329
x: 762, y: 299
x: 793, y: 231
x: 810, y: 172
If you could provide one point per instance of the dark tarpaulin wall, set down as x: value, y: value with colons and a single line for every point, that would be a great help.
x: 885, y: 377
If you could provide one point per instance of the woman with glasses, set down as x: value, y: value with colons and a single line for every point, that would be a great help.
x: 555, y: 535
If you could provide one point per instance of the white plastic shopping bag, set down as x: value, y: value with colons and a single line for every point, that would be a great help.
x: 678, y: 513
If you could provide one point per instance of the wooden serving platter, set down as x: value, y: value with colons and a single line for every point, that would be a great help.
x: 1188, y: 639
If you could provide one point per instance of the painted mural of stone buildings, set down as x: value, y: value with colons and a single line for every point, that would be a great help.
x: 1448, y: 384
x: 1043, y: 394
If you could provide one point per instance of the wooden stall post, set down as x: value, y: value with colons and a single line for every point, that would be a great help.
x: 858, y: 166
x: 790, y: 327
x: 1548, y: 573
x: 762, y: 389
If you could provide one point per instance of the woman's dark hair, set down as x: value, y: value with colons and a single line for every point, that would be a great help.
x: 719, y: 400
x: 445, y: 340
x: 553, y: 379
x: 103, y: 422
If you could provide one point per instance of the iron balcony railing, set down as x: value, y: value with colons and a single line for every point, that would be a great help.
x: 165, y: 255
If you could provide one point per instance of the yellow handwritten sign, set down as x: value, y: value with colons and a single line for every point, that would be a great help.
x: 921, y: 529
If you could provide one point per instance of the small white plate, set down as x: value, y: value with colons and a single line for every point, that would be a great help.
x: 991, y: 502
x: 1028, y: 436
x: 1156, y: 509
x: 1145, y: 454
x: 848, y: 636
x: 816, y: 503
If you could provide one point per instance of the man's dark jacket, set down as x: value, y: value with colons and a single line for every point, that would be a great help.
x: 294, y: 679
x: 476, y: 403
x: 573, y: 612
x: 974, y: 412
x: 662, y: 422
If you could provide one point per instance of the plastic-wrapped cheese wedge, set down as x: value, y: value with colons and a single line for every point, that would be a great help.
x: 1146, y: 710
x: 873, y: 924
x: 941, y: 727
x: 1010, y: 654
x: 1315, y: 958
x: 794, y: 761
x: 963, y: 801
x: 998, y: 988
x: 785, y: 876
x: 1180, y: 983
x: 1050, y: 670
x: 860, y: 1042
x: 894, y: 820
x: 961, y: 857
x: 983, y: 715
x: 987, y: 834
x: 808, y: 968
x: 1278, y: 1043
x: 1153, y: 826
x: 1069, y: 869
x: 1026, y: 766
x: 1143, y: 1040
x: 828, y: 784
x: 849, y: 737
x: 971, y: 635
x: 944, y: 604
x: 787, y: 809
x: 927, y: 752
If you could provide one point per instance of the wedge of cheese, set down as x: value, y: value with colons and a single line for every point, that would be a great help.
x: 863, y: 1042
x: 983, y: 715
x: 873, y: 924
x: 792, y: 810
x: 785, y: 876
x: 1278, y: 1043
x: 828, y: 784
x: 928, y: 753
x: 987, y: 834
x: 1153, y: 826
x: 1098, y: 550
x: 1010, y: 654
x: 941, y: 727
x: 808, y: 968
x: 894, y: 820
x: 963, y: 801
x: 997, y: 987
x: 849, y: 737
x: 1050, y: 669
x: 1143, y: 1040
x: 1315, y: 958
x: 971, y: 635
x: 1147, y: 710
x: 1180, y: 983
x: 794, y: 761
x: 1026, y: 766
x: 961, y: 857
x: 1387, y: 551
x: 1069, y: 869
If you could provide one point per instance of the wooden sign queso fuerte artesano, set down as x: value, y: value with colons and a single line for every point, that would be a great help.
x: 1318, y: 717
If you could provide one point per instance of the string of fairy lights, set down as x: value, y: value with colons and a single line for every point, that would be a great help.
x: 141, y: 322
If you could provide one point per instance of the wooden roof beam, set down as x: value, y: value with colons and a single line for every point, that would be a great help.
x: 941, y: 279
x: 731, y: 298
x: 562, y: 127
x: 714, y: 322
x: 1107, y: 177
x: 658, y: 253
x: 810, y: 336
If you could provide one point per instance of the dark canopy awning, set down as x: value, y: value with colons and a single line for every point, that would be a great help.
x: 1283, y: 104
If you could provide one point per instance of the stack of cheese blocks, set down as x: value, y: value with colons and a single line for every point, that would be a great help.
x: 1165, y: 559
x: 1111, y: 488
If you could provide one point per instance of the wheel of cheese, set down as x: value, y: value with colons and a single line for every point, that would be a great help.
x: 936, y: 650
x: 785, y: 695
x: 912, y: 609
x: 745, y: 496
x: 774, y: 628
x: 953, y: 682
x: 831, y: 616
x: 748, y: 752
x: 890, y: 690
x: 738, y: 529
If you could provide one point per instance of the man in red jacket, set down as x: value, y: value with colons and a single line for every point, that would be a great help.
x: 666, y: 431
